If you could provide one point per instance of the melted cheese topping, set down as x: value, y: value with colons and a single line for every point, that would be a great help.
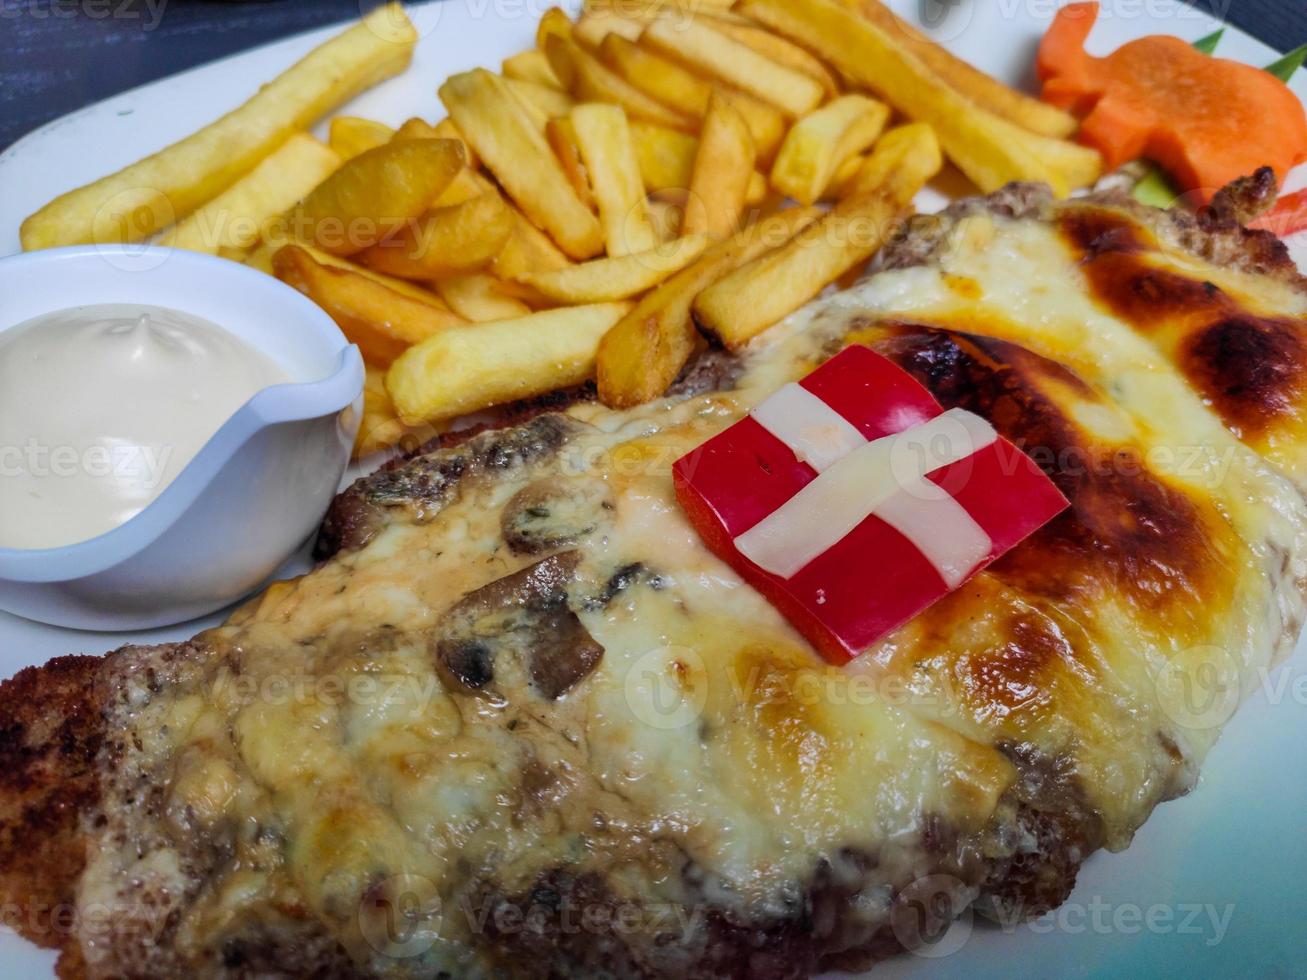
x: 310, y: 759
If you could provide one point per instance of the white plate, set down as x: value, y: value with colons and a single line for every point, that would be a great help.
x: 1232, y: 853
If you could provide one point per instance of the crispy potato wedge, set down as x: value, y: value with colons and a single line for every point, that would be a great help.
x: 542, y: 102
x: 462, y: 238
x: 417, y: 129
x: 479, y: 297
x: 589, y: 81
x: 644, y: 352
x: 696, y: 43
x: 148, y: 195
x: 232, y: 223
x: 502, y: 135
x: 531, y: 66
x: 604, y: 139
x: 723, y: 170
x: 561, y: 135
x: 371, y: 196
x: 446, y: 130
x: 465, y: 369
x: 987, y: 92
x: 747, y: 301
x: 383, y: 322
x: 990, y: 150
x: 910, y: 151
x: 778, y: 49
x: 605, y: 280
x: 821, y: 141
x: 351, y: 135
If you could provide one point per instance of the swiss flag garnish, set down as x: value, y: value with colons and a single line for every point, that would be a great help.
x: 852, y: 500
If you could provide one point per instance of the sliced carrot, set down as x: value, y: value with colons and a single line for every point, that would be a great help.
x: 1206, y: 120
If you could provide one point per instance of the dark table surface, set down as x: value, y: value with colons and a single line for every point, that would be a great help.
x: 59, y: 55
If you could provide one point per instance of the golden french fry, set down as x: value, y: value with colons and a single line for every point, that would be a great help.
x: 417, y: 129
x: 562, y: 139
x: 778, y: 49
x: 380, y: 427
x: 541, y: 102
x: 766, y: 125
x: 842, y: 179
x: 910, y: 151
x: 232, y: 223
x: 604, y: 280
x: 594, y: 26
x: 351, y: 135
x: 821, y: 141
x: 644, y: 352
x: 990, y: 150
x: 696, y: 43
x: 604, y: 139
x: 988, y: 93
x: 554, y: 22
x: 589, y: 81
x: 465, y: 369
x: 446, y: 130
x: 371, y: 196
x: 723, y: 169
x: 659, y: 77
x: 750, y: 299
x: 401, y: 286
x: 519, y: 156
x: 140, y: 199
x: 479, y: 297
x: 666, y: 156
x: 462, y: 238
x: 384, y: 323
x: 531, y: 66
x: 527, y: 248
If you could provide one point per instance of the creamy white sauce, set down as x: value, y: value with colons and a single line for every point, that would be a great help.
x: 101, y: 407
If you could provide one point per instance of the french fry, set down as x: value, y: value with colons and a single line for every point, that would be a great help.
x: 673, y: 85
x: 462, y: 238
x: 446, y: 130
x: 988, y: 93
x: 479, y: 297
x: 351, y: 135
x: 778, y: 49
x: 604, y: 280
x: 821, y: 141
x: 666, y: 216
x: 645, y: 351
x: 911, y: 151
x: 140, y: 199
x: 553, y: 22
x: 375, y: 193
x: 371, y: 196
x: 541, y: 101
x: 527, y: 248
x: 562, y: 139
x: 604, y: 139
x: 380, y: 427
x: 417, y: 129
x: 593, y: 27
x: 586, y: 78
x: 232, y: 223
x: 747, y: 301
x: 665, y: 156
x: 517, y: 153
x: 465, y: 369
x: 531, y: 66
x: 384, y: 323
x: 723, y: 168
x: 698, y: 44
x: 990, y: 150
x: 401, y: 286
